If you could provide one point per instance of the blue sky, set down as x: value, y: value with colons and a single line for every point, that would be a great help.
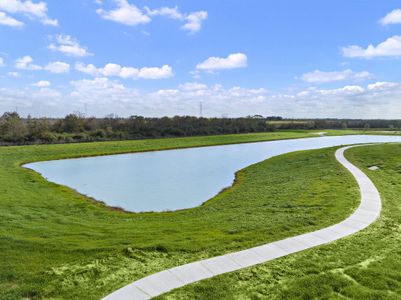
x: 307, y: 58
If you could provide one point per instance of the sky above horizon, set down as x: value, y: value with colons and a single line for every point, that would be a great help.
x: 296, y: 59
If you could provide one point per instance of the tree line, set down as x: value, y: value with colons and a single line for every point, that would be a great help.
x: 15, y: 130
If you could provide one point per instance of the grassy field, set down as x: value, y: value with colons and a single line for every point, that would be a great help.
x: 58, y: 244
x: 332, y: 132
x: 366, y: 265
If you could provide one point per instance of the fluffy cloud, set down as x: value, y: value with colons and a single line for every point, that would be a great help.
x: 125, y: 13
x: 111, y: 96
x: 216, y: 94
x: 377, y: 100
x: 192, y: 86
x: 69, y: 46
x: 9, y: 21
x: 170, y: 12
x: 233, y: 61
x: 26, y: 63
x: 131, y: 15
x: 42, y: 83
x: 57, y: 67
x: 382, y: 85
x: 193, y: 21
x: 2, y: 64
x: 97, y: 85
x: 155, y: 72
x: 104, y: 96
x: 318, y: 76
x: 13, y: 74
x: 31, y: 100
x: 115, y: 70
x: 393, y: 17
x: 87, y: 69
x: 344, y: 91
x: 27, y: 8
x: 390, y: 47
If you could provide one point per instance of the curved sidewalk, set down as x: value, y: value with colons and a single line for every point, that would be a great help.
x: 165, y: 281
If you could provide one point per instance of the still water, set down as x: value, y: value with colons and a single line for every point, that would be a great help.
x: 174, y: 179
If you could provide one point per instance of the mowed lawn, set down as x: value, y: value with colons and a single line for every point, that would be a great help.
x: 57, y: 244
x: 366, y: 265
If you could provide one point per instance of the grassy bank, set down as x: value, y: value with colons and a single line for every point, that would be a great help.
x: 366, y: 265
x: 57, y: 244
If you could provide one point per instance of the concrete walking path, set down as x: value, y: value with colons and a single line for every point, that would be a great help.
x: 167, y: 280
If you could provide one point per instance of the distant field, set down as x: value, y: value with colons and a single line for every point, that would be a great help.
x: 334, y: 132
x: 366, y: 265
x: 290, y: 122
x: 59, y: 244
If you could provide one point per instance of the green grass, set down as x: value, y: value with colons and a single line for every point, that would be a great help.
x: 55, y: 243
x: 366, y: 265
x: 336, y: 132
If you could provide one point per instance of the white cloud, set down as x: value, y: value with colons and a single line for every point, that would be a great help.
x: 2, y: 64
x: 31, y: 100
x: 42, y: 83
x: 233, y: 61
x: 346, y: 90
x: 115, y: 70
x: 192, y: 86
x: 57, y: 67
x: 393, y: 17
x: 388, y: 48
x: 382, y: 85
x: 97, y: 84
x: 170, y: 12
x: 155, y: 72
x: 125, y: 13
x: 9, y: 21
x: 28, y: 8
x: 345, y: 102
x: 87, y: 69
x: 194, y: 21
x: 318, y: 76
x: 104, y: 96
x: 13, y: 74
x: 110, y: 70
x: 131, y: 15
x: 69, y: 46
x: 26, y: 63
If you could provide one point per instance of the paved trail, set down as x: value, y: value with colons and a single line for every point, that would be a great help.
x: 167, y: 280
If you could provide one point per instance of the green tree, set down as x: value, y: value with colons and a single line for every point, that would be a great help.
x: 12, y: 128
x: 73, y: 123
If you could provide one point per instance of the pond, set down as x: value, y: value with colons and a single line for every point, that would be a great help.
x: 174, y: 179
